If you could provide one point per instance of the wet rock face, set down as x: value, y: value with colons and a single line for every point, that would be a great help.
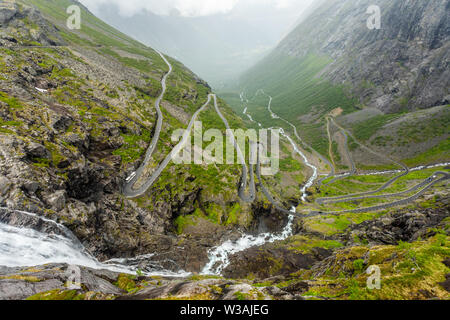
x: 267, y: 219
x: 5, y: 184
x: 393, y: 228
x: 7, y: 14
x: 20, y: 220
x: 36, y: 150
x: 269, y: 261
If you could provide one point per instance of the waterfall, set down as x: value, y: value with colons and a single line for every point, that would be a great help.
x: 219, y: 257
x: 21, y: 245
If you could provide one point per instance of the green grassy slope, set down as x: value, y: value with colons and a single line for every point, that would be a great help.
x: 297, y: 90
x: 296, y: 86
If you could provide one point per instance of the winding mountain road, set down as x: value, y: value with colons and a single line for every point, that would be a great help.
x: 128, y: 190
x: 368, y: 193
x: 425, y: 185
x: 446, y: 176
x: 353, y: 169
x: 305, y: 145
x: 243, y: 184
x: 250, y: 196
x: 388, y: 195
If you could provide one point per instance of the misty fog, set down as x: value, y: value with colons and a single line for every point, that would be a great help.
x: 218, y: 44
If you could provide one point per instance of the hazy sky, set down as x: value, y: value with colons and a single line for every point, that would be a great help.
x: 217, y: 39
x: 196, y: 8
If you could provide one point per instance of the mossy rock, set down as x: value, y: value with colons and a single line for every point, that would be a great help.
x: 126, y: 282
x: 58, y: 294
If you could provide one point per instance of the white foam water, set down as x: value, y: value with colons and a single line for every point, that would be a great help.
x: 20, y: 247
x: 307, y: 163
x: 25, y: 247
x: 219, y: 257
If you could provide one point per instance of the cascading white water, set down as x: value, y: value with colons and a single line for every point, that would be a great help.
x: 307, y: 163
x: 219, y: 257
x: 26, y: 247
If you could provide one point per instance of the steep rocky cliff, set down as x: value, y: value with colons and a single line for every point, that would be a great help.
x: 402, y: 66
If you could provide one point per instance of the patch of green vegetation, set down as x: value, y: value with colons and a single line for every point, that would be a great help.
x: 364, y: 130
x: 425, y: 130
x: 57, y: 157
x: 132, y: 150
x: 7, y: 131
x: 335, y: 150
x: 41, y: 162
x: 441, y: 152
x: 290, y: 165
x: 240, y: 296
x: 331, y: 225
x: 100, y: 111
x: 352, y: 145
x: 293, y: 84
x: 382, y: 141
x: 210, y: 177
x: 62, y: 73
x: 410, y: 271
x: 198, y: 277
x: 58, y: 295
x: 304, y: 244
x: 142, y: 65
x: 182, y: 221
x: 126, y: 282
x: 233, y: 215
x: 21, y: 278
x: 263, y: 284
x: 71, y: 94
x: 10, y: 123
x: 12, y: 102
x: 358, y: 265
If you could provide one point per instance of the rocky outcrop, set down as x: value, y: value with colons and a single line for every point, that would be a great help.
x: 14, y: 18
x: 269, y: 261
x: 396, y: 227
x: 60, y: 281
x: 22, y: 283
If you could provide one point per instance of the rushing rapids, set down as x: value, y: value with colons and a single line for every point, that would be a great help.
x: 219, y: 257
x: 29, y: 240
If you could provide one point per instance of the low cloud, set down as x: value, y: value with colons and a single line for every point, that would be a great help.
x: 186, y: 8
